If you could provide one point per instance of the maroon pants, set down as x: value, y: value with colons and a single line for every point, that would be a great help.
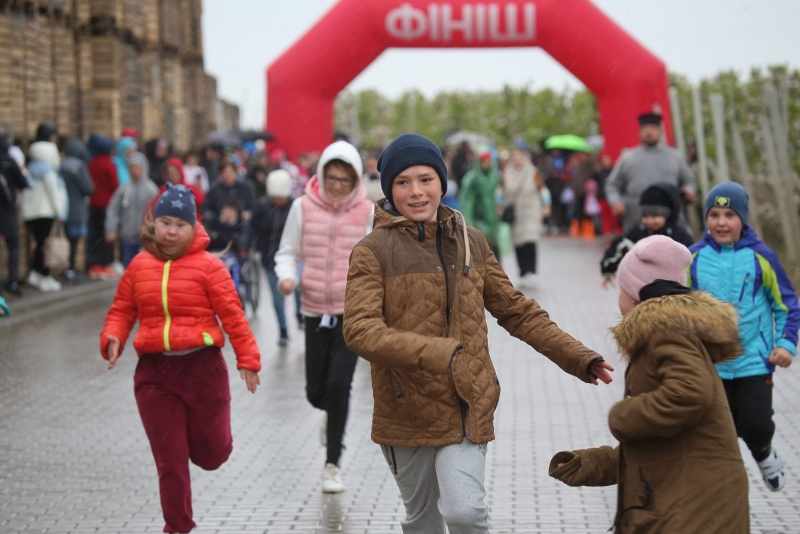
x: 184, y: 402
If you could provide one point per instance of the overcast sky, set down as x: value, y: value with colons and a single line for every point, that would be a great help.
x: 694, y: 37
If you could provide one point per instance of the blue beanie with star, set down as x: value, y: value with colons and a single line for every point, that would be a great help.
x: 177, y: 201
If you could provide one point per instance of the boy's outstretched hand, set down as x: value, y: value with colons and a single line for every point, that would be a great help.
x: 251, y: 378
x: 781, y: 357
x: 601, y: 370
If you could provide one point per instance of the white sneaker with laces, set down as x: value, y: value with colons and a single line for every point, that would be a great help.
x: 323, y: 431
x: 528, y: 281
x: 332, y: 479
x: 50, y: 284
x: 35, y: 280
x: 772, y: 469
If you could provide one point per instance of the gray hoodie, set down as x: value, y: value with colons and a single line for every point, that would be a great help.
x: 77, y: 180
x: 126, y: 210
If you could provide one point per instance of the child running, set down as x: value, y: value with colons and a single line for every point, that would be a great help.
x: 678, y: 465
x: 660, y: 205
x: 734, y: 265
x: 177, y: 290
x: 322, y: 228
x: 417, y: 289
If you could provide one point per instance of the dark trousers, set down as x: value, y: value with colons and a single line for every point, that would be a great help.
x: 526, y: 258
x: 9, y: 228
x: 329, y: 375
x: 185, y: 406
x: 73, y: 251
x: 750, y: 399
x: 99, y: 252
x: 39, y: 229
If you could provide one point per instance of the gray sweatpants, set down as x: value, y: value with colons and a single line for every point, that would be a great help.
x: 441, y: 486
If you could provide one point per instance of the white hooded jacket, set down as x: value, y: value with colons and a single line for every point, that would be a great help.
x: 47, y: 196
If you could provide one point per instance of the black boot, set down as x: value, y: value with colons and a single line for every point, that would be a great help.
x: 13, y: 288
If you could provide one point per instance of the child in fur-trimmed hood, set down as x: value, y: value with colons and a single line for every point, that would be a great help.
x: 677, y: 466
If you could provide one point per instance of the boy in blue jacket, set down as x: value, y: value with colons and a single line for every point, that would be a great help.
x: 734, y: 265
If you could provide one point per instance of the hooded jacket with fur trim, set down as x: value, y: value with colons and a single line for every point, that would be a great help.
x: 678, y: 467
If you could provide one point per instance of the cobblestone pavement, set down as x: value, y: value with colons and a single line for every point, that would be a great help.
x: 74, y: 457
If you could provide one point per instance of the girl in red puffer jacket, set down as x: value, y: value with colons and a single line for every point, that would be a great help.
x: 177, y: 290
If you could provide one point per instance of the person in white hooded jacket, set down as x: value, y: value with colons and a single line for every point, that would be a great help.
x: 42, y: 204
x: 322, y: 228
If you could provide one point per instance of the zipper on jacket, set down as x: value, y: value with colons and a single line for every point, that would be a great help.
x: 744, y: 285
x: 167, y: 317
x: 440, y: 250
x: 329, y: 274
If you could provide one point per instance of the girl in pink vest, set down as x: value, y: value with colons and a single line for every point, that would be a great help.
x: 321, y: 230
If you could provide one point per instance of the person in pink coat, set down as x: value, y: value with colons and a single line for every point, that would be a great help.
x: 322, y: 228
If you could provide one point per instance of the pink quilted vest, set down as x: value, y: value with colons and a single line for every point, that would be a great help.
x: 329, y: 236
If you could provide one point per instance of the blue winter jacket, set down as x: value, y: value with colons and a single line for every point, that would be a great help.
x: 749, y: 275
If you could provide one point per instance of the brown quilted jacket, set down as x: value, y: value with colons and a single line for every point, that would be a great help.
x: 414, y: 308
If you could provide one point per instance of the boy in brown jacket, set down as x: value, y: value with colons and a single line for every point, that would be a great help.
x: 678, y: 467
x: 417, y: 289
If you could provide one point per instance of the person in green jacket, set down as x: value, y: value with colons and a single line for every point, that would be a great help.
x: 476, y: 198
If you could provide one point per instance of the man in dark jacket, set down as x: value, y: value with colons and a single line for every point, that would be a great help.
x: 11, y: 181
x: 229, y: 189
x: 660, y: 206
x: 80, y: 187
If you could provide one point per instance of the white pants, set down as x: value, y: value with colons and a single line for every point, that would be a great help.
x: 441, y: 486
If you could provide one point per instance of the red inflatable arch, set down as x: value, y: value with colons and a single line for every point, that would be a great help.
x: 304, y: 82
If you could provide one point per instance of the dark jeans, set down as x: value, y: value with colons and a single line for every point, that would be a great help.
x: 329, y: 375
x: 39, y: 229
x: 9, y: 228
x: 73, y: 251
x: 526, y: 258
x: 750, y: 399
x: 99, y: 252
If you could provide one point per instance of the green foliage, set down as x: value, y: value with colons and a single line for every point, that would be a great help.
x: 505, y: 116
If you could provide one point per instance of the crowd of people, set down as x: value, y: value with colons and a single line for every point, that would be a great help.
x: 357, y: 237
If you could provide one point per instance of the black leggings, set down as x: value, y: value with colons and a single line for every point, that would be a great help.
x: 526, y: 258
x: 40, y: 230
x: 329, y: 375
x: 750, y: 399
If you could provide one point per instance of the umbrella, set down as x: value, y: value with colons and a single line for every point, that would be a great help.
x: 568, y: 142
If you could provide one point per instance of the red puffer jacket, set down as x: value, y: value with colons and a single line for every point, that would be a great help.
x: 177, y: 303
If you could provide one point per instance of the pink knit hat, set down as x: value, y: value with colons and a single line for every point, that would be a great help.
x: 653, y: 258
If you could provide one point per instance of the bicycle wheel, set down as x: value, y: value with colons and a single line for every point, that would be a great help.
x: 251, y: 281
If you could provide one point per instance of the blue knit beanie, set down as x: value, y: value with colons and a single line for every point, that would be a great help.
x: 178, y: 202
x: 406, y: 151
x: 729, y: 195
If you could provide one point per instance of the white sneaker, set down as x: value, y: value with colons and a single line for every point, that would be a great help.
x: 117, y: 267
x: 35, y: 280
x: 528, y: 281
x: 332, y: 479
x: 323, y: 431
x: 50, y: 284
x: 772, y: 471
